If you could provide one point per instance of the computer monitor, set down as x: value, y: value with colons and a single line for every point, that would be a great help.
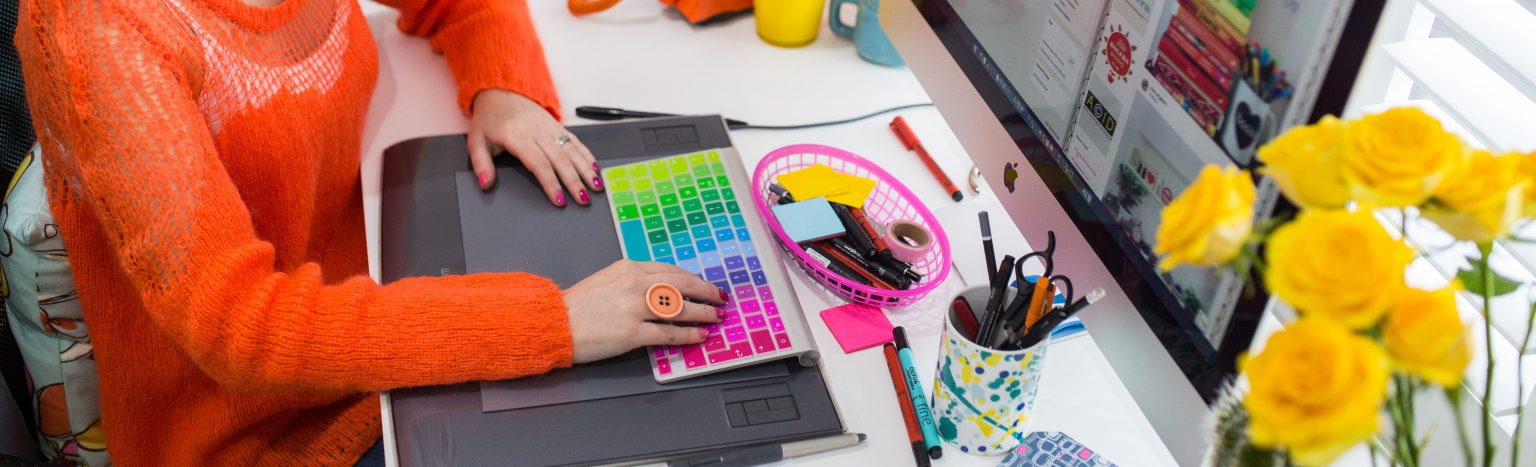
x: 1088, y: 116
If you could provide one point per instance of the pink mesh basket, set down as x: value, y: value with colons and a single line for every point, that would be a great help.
x: 890, y: 201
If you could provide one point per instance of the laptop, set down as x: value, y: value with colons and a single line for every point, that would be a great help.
x: 435, y: 221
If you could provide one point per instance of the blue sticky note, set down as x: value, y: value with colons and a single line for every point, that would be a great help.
x: 809, y: 220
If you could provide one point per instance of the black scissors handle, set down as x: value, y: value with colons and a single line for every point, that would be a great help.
x: 1045, y: 256
x: 1064, y: 283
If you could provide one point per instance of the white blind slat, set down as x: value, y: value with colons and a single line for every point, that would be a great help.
x: 1499, y: 29
x: 1469, y: 90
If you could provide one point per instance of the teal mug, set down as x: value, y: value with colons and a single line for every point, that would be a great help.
x: 867, y: 35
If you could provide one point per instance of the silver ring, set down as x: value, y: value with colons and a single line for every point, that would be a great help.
x: 562, y: 139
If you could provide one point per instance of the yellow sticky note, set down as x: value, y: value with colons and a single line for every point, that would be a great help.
x: 858, y: 189
x: 810, y: 182
x: 821, y: 181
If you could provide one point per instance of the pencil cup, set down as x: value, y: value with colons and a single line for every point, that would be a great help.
x: 788, y: 23
x: 982, y: 397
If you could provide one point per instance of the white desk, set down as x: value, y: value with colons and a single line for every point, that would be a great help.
x: 636, y: 56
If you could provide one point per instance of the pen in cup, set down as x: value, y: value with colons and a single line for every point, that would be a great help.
x: 986, y: 245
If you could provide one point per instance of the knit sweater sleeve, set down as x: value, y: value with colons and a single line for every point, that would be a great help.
x: 489, y: 44
x: 127, y: 146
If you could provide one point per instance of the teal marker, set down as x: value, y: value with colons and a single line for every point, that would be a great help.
x: 919, y: 402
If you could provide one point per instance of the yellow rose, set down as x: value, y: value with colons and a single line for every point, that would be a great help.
x: 1209, y: 222
x: 1425, y: 336
x: 1304, y: 163
x: 1397, y: 157
x: 1481, y: 200
x: 1528, y: 171
x: 1338, y: 265
x: 1316, y: 389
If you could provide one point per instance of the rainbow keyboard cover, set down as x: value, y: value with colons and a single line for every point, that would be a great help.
x: 687, y: 210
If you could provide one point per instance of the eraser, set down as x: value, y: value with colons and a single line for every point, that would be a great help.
x: 809, y: 220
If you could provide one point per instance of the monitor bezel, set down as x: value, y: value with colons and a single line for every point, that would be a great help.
x: 1207, y: 371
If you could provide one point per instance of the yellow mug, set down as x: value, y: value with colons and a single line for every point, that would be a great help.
x: 788, y: 23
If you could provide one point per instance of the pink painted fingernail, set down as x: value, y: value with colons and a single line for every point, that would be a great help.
x: 724, y: 297
x: 720, y: 313
x: 582, y: 195
x: 597, y: 182
x: 482, y: 180
x: 560, y: 198
x: 703, y: 333
x: 595, y: 168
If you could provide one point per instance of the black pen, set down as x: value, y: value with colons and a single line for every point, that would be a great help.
x: 885, y: 274
x: 770, y: 453
x: 995, y: 299
x: 1042, y: 329
x: 610, y: 114
x: 781, y: 194
x: 820, y: 254
x: 1093, y: 297
x: 986, y: 245
x: 865, y: 246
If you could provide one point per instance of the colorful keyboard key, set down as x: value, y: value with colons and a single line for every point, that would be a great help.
x: 714, y: 273
x: 735, y: 334
x: 693, y: 356
x: 762, y: 341
x: 756, y: 322
x: 743, y: 292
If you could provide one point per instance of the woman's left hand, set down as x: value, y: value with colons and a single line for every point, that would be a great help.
x: 509, y: 121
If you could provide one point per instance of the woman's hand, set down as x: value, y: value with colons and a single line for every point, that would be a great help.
x: 608, y: 315
x: 508, y: 121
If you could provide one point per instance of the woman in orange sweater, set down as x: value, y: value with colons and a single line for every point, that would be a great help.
x: 201, y: 159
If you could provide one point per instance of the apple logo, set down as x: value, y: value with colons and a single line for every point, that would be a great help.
x: 1010, y: 174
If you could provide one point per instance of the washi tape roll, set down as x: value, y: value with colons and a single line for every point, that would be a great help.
x: 908, y: 241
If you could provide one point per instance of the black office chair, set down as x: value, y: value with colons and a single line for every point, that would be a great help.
x: 16, y: 139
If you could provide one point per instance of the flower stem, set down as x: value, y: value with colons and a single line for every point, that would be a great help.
x: 1486, y: 248
x: 1410, y: 405
x: 1401, y: 407
x: 1454, y: 394
x: 1525, y: 342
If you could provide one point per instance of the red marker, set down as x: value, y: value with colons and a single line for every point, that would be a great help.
x: 909, y: 139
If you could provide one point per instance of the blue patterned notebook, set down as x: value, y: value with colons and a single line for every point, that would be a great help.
x: 1053, y: 449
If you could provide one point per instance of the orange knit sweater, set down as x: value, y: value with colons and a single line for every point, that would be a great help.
x: 202, y: 161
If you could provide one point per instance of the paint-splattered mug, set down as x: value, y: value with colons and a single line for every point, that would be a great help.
x: 982, y: 397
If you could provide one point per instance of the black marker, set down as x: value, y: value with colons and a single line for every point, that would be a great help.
x: 823, y: 257
x: 865, y: 246
x: 986, y: 245
x: 873, y: 267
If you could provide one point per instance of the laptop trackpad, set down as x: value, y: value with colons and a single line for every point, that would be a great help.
x: 509, y: 228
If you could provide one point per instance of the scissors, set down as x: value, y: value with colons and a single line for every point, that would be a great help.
x: 1016, y: 315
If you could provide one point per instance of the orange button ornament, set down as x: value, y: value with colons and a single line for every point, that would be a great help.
x: 664, y: 300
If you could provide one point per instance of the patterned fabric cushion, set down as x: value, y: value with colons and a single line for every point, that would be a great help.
x: 45, y: 317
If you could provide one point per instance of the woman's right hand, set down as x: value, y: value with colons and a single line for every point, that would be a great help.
x: 608, y: 316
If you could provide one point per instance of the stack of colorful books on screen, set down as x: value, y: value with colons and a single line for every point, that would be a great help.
x: 1205, y: 52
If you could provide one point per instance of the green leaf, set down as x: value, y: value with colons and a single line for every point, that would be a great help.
x: 1472, y: 278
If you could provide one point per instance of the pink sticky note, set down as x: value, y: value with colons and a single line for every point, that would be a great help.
x: 857, y: 327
